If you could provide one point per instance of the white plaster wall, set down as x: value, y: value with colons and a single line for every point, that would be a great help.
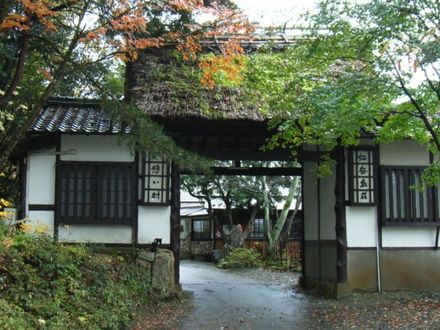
x: 327, y: 201
x: 95, y: 234
x: 408, y: 236
x: 41, y: 178
x: 103, y: 148
x: 361, y: 226
x: 154, y: 222
x: 403, y: 153
x: 310, y: 201
x: 44, y: 218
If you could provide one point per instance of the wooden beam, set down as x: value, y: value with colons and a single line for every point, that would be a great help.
x: 314, y: 156
x: 175, y: 219
x: 245, y: 154
x: 255, y: 171
x: 37, y: 142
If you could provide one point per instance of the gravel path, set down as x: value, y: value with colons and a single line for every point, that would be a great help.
x: 284, y: 279
x: 238, y: 300
x: 261, y: 299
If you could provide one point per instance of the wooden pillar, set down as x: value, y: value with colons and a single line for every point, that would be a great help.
x: 22, y: 171
x: 175, y: 219
x: 341, y: 226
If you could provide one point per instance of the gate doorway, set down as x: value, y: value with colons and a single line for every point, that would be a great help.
x: 239, y: 209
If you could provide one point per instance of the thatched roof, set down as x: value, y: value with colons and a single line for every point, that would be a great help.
x: 158, y: 86
x: 249, y: 43
x: 155, y: 85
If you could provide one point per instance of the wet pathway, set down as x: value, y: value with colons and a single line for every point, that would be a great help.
x: 226, y: 300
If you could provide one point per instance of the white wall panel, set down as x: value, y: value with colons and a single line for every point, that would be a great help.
x: 361, y: 226
x: 41, y: 178
x: 102, y: 148
x: 95, y: 234
x: 408, y: 236
x: 44, y: 218
x: 403, y: 153
x: 154, y: 222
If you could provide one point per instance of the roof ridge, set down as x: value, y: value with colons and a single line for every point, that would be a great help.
x: 66, y: 100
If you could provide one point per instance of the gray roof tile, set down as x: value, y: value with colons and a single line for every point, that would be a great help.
x: 65, y: 115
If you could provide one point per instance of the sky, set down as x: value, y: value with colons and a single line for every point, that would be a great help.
x: 276, y: 12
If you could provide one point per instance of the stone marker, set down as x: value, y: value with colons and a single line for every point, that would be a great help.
x: 161, y: 268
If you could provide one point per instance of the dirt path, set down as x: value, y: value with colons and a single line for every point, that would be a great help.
x: 231, y: 300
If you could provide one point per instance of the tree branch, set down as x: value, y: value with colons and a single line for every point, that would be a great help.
x: 418, y: 107
x: 18, y: 71
x: 431, y: 83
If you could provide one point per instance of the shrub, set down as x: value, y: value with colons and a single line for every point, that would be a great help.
x: 241, y: 258
x: 44, y: 284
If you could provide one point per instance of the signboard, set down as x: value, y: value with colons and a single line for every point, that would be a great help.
x: 361, y: 181
x: 156, y: 181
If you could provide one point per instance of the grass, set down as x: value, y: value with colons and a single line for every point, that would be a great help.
x: 47, y: 285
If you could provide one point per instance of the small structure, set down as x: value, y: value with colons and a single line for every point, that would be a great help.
x: 200, y: 235
x: 197, y: 228
x: 365, y: 227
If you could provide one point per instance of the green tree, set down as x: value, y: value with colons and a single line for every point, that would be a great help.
x: 282, y: 220
x: 74, y: 48
x: 235, y: 192
x: 250, y: 193
x: 370, y: 66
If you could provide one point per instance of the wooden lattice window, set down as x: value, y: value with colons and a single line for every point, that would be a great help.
x: 257, y: 229
x: 98, y: 193
x: 155, y: 181
x: 201, y: 230
x: 361, y: 176
x: 402, y: 203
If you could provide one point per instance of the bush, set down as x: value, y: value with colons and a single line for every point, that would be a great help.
x: 241, y: 258
x: 44, y: 284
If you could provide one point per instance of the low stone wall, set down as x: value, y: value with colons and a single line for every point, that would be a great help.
x: 185, y: 248
x: 202, y: 248
x: 190, y: 249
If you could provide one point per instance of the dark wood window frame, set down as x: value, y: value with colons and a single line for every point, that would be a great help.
x: 256, y: 233
x: 200, y: 238
x: 100, y: 193
x: 403, y: 205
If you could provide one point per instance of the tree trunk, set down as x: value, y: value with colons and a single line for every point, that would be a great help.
x: 267, y: 224
x: 254, y: 210
x: 290, y: 220
x: 273, y: 235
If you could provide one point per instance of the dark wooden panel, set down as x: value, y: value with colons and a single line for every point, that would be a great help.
x: 41, y: 207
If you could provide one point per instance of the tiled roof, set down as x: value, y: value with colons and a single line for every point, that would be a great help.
x: 67, y: 115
